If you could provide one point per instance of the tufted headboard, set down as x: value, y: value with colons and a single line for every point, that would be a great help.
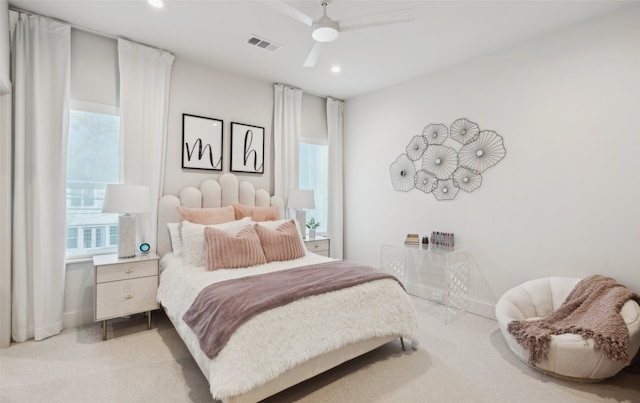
x: 225, y: 191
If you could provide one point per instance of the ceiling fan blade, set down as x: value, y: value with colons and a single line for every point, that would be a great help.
x: 376, y: 20
x: 371, y: 25
x: 289, y: 11
x: 313, y: 55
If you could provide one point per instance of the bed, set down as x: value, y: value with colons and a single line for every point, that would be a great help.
x: 285, y: 345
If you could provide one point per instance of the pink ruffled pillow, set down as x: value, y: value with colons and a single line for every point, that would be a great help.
x: 228, y: 251
x: 207, y: 216
x: 256, y: 213
x: 282, y: 243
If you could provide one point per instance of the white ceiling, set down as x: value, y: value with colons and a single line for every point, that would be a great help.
x: 214, y: 33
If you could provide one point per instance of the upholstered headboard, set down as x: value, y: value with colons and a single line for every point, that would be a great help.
x: 226, y: 191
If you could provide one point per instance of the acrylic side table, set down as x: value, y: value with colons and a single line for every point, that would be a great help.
x: 441, y: 276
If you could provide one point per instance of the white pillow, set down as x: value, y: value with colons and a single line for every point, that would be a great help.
x: 276, y: 224
x: 193, y: 245
x: 176, y: 241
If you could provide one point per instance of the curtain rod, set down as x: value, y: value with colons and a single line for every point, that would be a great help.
x: 81, y: 28
x: 310, y: 92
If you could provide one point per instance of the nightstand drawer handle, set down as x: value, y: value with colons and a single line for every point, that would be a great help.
x: 128, y: 297
x: 129, y: 271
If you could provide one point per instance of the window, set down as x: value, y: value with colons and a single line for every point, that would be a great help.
x: 92, y: 162
x: 314, y: 157
x: 113, y: 235
x: 314, y: 174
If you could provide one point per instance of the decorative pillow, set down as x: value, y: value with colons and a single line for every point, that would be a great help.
x: 282, y: 243
x: 256, y: 213
x: 176, y: 240
x: 206, y: 216
x: 193, y: 248
x: 276, y: 224
x: 225, y: 251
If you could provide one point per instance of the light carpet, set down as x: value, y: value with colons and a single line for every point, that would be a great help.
x: 466, y: 360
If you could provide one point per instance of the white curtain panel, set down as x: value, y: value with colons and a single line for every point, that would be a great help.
x: 287, y: 126
x: 335, y: 226
x: 40, y: 56
x: 145, y: 79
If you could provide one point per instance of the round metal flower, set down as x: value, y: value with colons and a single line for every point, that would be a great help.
x: 466, y: 179
x: 435, y: 133
x: 445, y: 190
x: 463, y: 131
x: 425, y: 181
x: 416, y: 147
x: 402, y: 173
x: 484, y: 152
x: 440, y: 161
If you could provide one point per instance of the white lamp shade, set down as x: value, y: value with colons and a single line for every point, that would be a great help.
x: 128, y: 199
x: 301, y: 199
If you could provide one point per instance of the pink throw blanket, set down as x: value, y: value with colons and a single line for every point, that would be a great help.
x: 222, y: 307
x: 591, y: 310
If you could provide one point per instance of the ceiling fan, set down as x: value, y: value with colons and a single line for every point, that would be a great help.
x: 326, y: 30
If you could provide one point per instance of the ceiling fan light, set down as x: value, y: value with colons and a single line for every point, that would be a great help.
x: 325, y: 30
x: 156, y: 3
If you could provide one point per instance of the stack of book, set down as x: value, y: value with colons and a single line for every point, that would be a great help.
x: 412, y: 240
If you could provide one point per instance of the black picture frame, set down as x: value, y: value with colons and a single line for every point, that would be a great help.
x: 247, y: 148
x: 202, y: 142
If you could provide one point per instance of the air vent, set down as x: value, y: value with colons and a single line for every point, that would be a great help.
x: 263, y: 43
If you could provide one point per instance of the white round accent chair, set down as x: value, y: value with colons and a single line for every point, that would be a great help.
x: 569, y: 356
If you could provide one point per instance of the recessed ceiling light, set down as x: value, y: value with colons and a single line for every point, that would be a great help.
x: 336, y: 69
x: 156, y: 3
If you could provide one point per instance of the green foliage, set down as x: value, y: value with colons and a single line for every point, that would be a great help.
x: 312, y: 223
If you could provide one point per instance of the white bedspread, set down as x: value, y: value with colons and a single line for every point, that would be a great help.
x: 277, y: 340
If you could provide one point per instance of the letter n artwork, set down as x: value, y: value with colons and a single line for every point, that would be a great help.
x: 247, y: 148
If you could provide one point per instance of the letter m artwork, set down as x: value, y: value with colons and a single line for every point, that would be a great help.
x: 202, y: 143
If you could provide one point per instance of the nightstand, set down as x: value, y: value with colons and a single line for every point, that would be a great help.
x: 124, y: 287
x: 319, y: 245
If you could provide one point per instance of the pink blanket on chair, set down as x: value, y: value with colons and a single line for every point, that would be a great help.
x: 591, y: 310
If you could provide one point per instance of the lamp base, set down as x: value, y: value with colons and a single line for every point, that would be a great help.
x: 126, y: 235
x: 301, y: 217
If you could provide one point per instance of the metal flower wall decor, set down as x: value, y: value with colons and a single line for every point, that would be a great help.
x: 444, y: 160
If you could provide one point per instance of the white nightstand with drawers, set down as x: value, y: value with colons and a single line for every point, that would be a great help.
x: 319, y: 245
x: 124, y: 287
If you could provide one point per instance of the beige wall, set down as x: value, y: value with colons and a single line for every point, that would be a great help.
x: 563, y: 202
x: 202, y: 91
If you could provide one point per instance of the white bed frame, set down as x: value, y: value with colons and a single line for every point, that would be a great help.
x: 224, y: 192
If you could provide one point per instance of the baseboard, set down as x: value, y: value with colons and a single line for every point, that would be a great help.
x: 77, y: 319
x: 482, y: 308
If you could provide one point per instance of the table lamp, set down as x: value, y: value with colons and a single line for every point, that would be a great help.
x: 126, y: 200
x: 300, y: 200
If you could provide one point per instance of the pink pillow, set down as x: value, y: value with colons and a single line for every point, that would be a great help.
x: 256, y: 213
x: 225, y: 251
x: 206, y: 216
x: 282, y: 243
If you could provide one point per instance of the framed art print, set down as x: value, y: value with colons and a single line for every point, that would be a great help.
x: 201, y: 142
x: 247, y: 148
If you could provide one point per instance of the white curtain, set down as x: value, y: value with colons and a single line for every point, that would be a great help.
x: 40, y: 57
x: 287, y: 118
x: 335, y: 224
x: 145, y: 79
